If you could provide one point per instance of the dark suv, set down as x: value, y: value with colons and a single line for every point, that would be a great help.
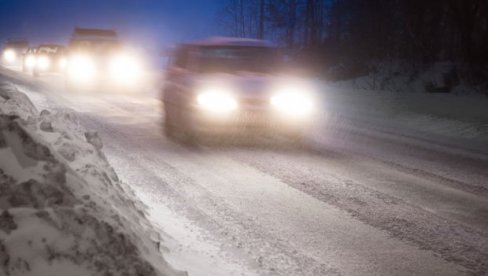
x: 231, y: 85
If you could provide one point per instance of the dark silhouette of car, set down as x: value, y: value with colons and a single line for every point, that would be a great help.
x: 230, y: 85
x: 96, y: 57
x: 46, y: 58
x: 13, y: 51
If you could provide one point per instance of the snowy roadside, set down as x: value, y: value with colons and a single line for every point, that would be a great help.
x: 63, y: 210
x: 457, y: 122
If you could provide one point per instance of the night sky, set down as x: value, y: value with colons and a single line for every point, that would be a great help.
x: 156, y: 23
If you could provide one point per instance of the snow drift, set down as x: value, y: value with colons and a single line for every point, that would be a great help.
x: 63, y: 210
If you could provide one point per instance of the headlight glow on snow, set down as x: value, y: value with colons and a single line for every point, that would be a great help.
x: 293, y: 101
x: 125, y: 69
x: 216, y: 101
x: 81, y: 68
x: 43, y: 62
x: 9, y: 55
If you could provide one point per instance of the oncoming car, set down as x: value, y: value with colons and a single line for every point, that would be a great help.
x: 45, y: 58
x: 97, y: 57
x: 230, y: 86
x: 13, y: 51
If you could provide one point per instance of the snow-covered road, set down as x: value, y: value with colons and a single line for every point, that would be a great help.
x: 355, y: 202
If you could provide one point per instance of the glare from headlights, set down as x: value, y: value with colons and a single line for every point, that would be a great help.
x: 30, y: 61
x: 43, y: 63
x: 9, y: 55
x: 216, y: 101
x: 62, y: 63
x: 295, y: 104
x: 125, y: 69
x: 81, y: 68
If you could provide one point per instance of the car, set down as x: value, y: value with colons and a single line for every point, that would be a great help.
x: 97, y: 57
x: 231, y: 86
x: 46, y: 58
x: 13, y: 51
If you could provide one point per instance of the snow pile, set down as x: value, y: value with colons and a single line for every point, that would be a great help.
x: 62, y: 209
x: 434, y: 78
x: 458, y: 120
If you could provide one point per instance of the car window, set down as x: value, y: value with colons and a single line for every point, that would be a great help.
x: 214, y: 59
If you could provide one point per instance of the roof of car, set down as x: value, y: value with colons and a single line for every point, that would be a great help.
x: 94, y: 32
x: 51, y: 45
x: 233, y: 41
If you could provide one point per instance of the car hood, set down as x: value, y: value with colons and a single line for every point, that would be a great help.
x: 251, y: 84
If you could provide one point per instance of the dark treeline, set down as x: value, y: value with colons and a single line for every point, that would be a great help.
x: 331, y: 31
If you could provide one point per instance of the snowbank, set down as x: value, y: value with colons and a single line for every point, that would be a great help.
x: 63, y: 210
x: 431, y: 78
x: 449, y: 119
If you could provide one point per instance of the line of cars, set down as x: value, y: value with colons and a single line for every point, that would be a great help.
x: 216, y: 86
x: 92, y: 58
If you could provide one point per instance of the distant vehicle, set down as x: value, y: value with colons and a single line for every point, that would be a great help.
x: 13, y: 51
x: 97, y: 57
x: 231, y: 85
x: 45, y: 58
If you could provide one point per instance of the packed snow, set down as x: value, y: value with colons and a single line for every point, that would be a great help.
x: 63, y: 210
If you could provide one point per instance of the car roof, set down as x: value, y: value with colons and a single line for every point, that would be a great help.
x: 51, y: 45
x: 93, y: 34
x: 233, y: 41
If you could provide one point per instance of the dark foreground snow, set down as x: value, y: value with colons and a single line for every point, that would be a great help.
x: 63, y: 211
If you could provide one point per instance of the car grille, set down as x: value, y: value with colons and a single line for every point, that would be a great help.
x: 254, y: 102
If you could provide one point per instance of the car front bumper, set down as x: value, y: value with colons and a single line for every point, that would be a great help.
x: 249, y: 121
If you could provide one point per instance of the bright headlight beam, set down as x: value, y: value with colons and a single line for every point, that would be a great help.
x: 125, y: 68
x: 30, y: 61
x: 293, y: 103
x: 81, y: 68
x: 43, y: 62
x: 9, y: 55
x: 216, y: 102
x: 62, y: 63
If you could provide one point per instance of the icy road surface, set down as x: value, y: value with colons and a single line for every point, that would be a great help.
x: 355, y: 202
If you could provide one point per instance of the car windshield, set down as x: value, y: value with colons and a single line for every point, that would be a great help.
x: 216, y: 59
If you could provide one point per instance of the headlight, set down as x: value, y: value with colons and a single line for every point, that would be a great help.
x: 81, y: 68
x: 125, y: 69
x: 216, y: 101
x: 43, y: 63
x: 9, y: 55
x: 295, y: 102
x: 30, y: 61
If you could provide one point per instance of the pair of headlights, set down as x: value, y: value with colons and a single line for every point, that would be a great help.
x: 121, y: 68
x: 9, y: 55
x: 43, y: 62
x: 294, y: 102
